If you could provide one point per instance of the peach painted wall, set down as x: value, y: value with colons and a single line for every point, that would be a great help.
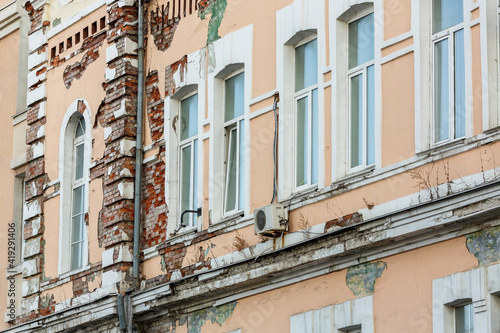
x: 261, y: 160
x: 51, y: 237
x: 397, y: 18
x: 64, y: 9
x: 398, y: 110
x: 8, y: 97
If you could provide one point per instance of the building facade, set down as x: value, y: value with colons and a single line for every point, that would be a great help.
x: 250, y: 166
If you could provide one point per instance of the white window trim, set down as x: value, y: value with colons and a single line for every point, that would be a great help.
x: 354, y: 314
x: 233, y: 52
x: 193, y: 81
x: 341, y: 14
x: 480, y: 286
x: 229, y: 126
x: 446, y: 34
x: 66, y: 164
x: 350, y: 316
x: 424, y: 72
x: 298, y: 95
x: 298, y: 22
x: 190, y: 223
x: 353, y: 72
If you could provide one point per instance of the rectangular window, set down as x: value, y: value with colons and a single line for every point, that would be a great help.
x: 188, y: 158
x: 449, y: 70
x: 306, y: 114
x: 464, y: 319
x: 361, y: 75
x: 234, y: 109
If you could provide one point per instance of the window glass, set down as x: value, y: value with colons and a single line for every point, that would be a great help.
x: 441, y: 91
x: 356, y: 120
x: 234, y: 97
x: 241, y: 171
x: 79, y: 161
x: 189, y: 117
x: 302, y: 136
x: 464, y: 319
x: 306, y: 65
x: 80, y: 128
x: 459, y: 84
x: 78, y: 200
x: 314, y: 137
x: 231, y: 171
x: 361, y: 41
x: 185, y: 178
x: 446, y: 13
x: 370, y: 115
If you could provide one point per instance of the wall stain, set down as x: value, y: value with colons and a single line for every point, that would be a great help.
x: 215, y: 314
x: 485, y: 245
x: 216, y: 9
x: 361, y: 279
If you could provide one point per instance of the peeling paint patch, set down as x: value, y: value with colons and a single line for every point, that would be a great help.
x: 216, y: 9
x: 485, y: 245
x: 91, y: 46
x: 214, y: 314
x: 361, y: 279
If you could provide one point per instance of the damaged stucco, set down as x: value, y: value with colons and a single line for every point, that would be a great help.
x: 215, y: 314
x: 361, y: 279
x: 216, y: 10
x: 485, y: 245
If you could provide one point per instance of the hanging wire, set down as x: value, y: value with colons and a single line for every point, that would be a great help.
x: 275, y: 184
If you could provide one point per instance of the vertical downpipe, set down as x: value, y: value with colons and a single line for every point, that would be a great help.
x: 138, y: 147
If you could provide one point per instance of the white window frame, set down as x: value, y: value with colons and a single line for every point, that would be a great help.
x: 456, y: 290
x: 76, y: 183
x: 302, y: 20
x: 192, y: 82
x: 66, y: 170
x: 192, y: 219
x: 353, y: 316
x: 351, y: 73
x: 234, y: 52
x: 446, y: 34
x: 341, y: 13
x: 229, y: 126
x: 298, y: 95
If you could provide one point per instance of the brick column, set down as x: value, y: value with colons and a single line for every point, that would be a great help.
x: 119, y: 111
x: 35, y: 175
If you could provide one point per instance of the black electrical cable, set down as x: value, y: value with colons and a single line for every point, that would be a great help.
x: 275, y: 185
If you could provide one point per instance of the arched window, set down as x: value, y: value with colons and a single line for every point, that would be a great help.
x: 78, y: 196
x: 74, y: 163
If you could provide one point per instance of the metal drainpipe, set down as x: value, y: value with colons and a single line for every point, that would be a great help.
x: 138, y: 147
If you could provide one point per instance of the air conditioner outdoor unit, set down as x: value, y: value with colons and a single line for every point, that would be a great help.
x: 270, y: 220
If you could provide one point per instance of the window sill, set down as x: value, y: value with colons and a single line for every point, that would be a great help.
x: 73, y: 272
x: 299, y: 195
x: 358, y: 173
x: 443, y: 147
x: 183, y: 234
x: 235, y: 221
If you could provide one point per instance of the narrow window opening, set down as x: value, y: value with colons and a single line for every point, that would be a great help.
x: 69, y: 42
x: 85, y: 32
x: 94, y: 27
x: 77, y: 38
x: 234, y: 134
x: 61, y: 47
x: 53, y: 52
x: 102, y: 22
